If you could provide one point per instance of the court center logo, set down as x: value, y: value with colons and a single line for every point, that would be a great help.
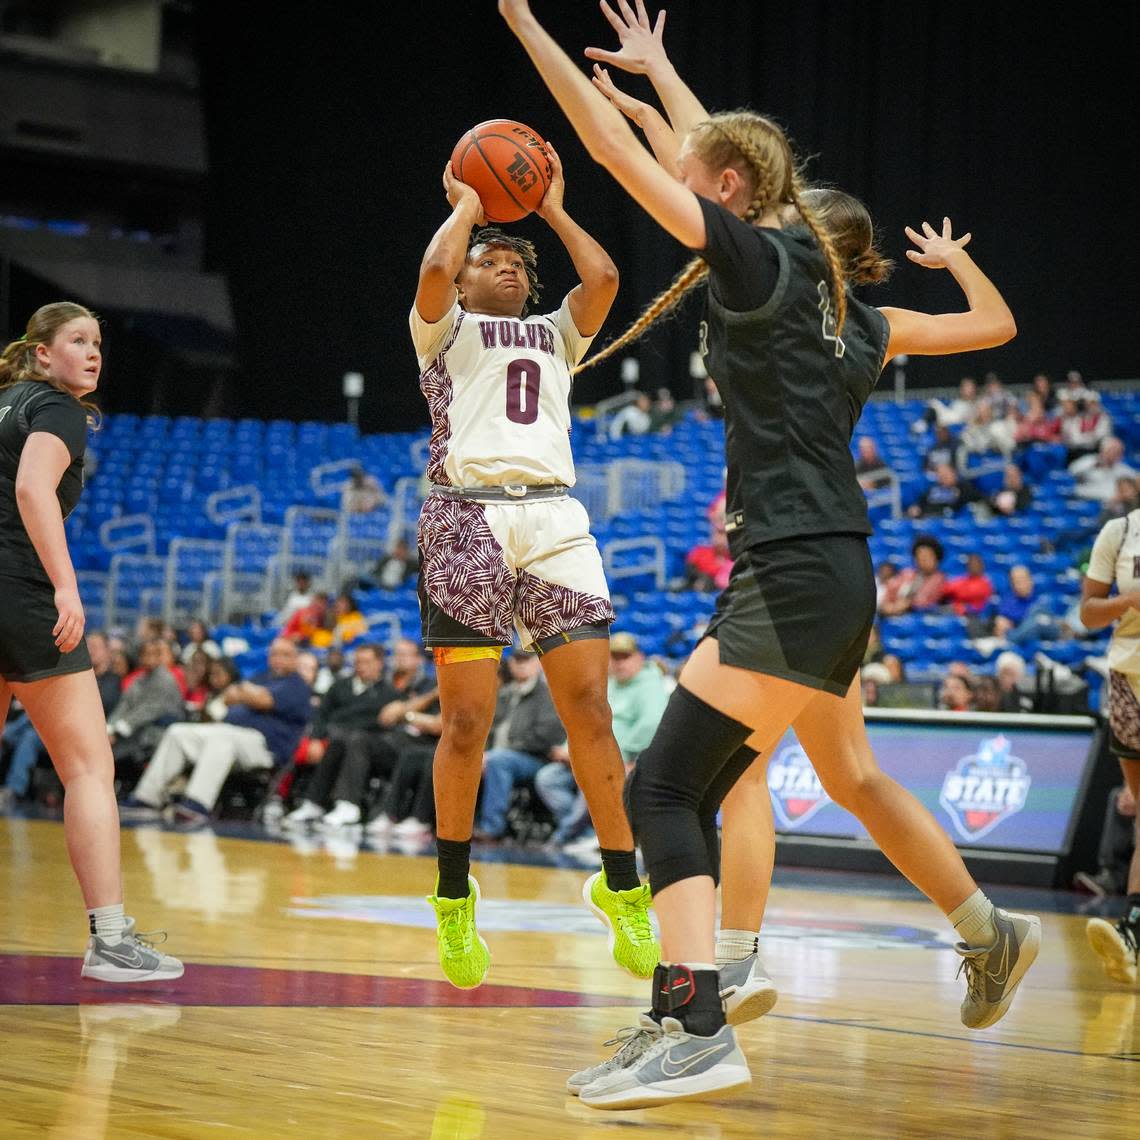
x: 985, y: 788
x: 796, y: 791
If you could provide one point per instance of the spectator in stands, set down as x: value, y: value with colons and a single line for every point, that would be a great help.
x: 969, y: 594
x: 665, y: 415
x: 1010, y: 670
x: 308, y: 620
x: 713, y: 406
x: 944, y: 449
x: 874, y: 651
x: 1085, y: 426
x: 1076, y: 387
x: 373, y: 748
x: 348, y: 624
x: 956, y: 412
x: 198, y: 637
x: 110, y: 683
x: 946, y: 497
x: 871, y: 468
x: 1001, y: 400
x: 196, y: 692
x: 1096, y: 475
x: 886, y: 570
x: 170, y: 659
x: 895, y: 665
x: 24, y: 747
x: 1114, y: 852
x: 919, y: 586
x: 872, y: 677
x: 350, y: 704
x: 220, y: 675
x: 407, y: 812
x: 637, y: 694
x: 634, y: 418
x: 396, y: 567
x: 1124, y: 501
x: 1014, y: 495
x: 1036, y: 423
x: 1043, y: 387
x: 363, y: 492
x: 309, y: 667
x: 299, y: 597
x: 987, y: 694
x: 266, y: 717
x: 526, y: 727
x: 1018, y: 606
x: 709, y: 564
x: 956, y: 693
x: 984, y: 435
x: 144, y: 712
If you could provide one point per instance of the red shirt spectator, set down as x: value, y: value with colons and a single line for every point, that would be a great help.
x: 969, y: 593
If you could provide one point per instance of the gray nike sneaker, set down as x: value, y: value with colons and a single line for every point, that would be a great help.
x: 133, y: 960
x: 746, y: 990
x: 993, y: 972
x: 676, y: 1066
x: 633, y: 1039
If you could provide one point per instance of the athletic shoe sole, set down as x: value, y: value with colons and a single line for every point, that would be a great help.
x: 1106, y: 944
x: 749, y: 1001
x: 721, y: 1079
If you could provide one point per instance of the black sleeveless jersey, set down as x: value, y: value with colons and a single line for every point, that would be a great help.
x: 792, y: 390
x: 26, y: 407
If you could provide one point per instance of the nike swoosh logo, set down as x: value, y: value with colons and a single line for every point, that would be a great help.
x: 1001, y: 976
x: 672, y: 1069
x: 132, y: 962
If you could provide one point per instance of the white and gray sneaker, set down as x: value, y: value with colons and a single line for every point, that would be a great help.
x: 676, y: 1066
x: 1116, y: 947
x: 135, y: 959
x: 993, y: 973
x: 308, y: 812
x: 633, y: 1041
x: 746, y: 990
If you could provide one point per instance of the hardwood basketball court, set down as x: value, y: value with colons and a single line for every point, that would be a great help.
x: 313, y: 1006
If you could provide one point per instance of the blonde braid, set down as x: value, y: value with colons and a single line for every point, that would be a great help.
x: 835, y: 266
x: 689, y: 277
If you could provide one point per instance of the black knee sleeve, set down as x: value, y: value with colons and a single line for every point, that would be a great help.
x: 671, y: 779
x: 737, y: 764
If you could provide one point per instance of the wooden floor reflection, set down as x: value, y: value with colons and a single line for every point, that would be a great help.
x: 312, y: 1006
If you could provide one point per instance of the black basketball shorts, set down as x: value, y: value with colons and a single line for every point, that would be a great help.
x: 799, y: 608
x: 27, y: 645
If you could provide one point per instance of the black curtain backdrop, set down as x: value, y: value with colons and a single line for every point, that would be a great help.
x: 329, y: 125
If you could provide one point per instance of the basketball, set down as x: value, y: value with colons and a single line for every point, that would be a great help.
x: 506, y: 164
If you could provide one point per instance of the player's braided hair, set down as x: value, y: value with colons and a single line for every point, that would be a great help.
x: 18, y: 360
x: 735, y: 138
x: 492, y: 235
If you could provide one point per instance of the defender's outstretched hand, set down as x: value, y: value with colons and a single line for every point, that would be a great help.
x: 629, y: 106
x: 933, y: 248
x: 641, y: 41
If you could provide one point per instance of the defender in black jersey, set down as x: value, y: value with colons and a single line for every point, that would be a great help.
x: 791, y: 629
x: 44, y: 378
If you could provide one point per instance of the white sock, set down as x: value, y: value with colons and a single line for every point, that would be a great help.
x: 107, y: 923
x: 974, y: 920
x: 736, y: 945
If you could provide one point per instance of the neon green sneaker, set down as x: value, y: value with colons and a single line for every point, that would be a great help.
x: 462, y: 953
x: 633, y: 942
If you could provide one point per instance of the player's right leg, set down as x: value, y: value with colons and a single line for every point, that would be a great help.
x: 68, y: 715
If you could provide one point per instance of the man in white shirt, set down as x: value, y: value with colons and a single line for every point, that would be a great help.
x: 1096, y: 475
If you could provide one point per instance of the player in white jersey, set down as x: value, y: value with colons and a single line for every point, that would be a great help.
x: 1115, y: 561
x: 503, y: 546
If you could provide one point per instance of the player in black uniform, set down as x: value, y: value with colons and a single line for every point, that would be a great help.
x: 44, y: 379
x: 795, y: 359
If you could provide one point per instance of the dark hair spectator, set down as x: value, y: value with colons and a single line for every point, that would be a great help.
x: 919, y: 586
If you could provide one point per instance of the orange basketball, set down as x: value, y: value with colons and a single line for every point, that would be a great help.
x: 506, y: 164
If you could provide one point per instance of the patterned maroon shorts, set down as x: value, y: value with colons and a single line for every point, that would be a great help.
x: 1123, y: 716
x: 487, y: 569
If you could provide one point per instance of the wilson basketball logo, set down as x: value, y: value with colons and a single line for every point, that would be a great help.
x: 796, y: 791
x: 985, y: 788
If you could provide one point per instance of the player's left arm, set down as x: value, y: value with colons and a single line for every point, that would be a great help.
x: 590, y: 300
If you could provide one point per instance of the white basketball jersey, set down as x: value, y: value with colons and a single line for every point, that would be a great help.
x: 1115, y: 559
x: 498, y: 389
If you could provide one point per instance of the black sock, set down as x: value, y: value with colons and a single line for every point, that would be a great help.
x: 621, y: 870
x: 692, y: 997
x: 1132, y: 911
x: 454, y: 862
x: 660, y: 993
